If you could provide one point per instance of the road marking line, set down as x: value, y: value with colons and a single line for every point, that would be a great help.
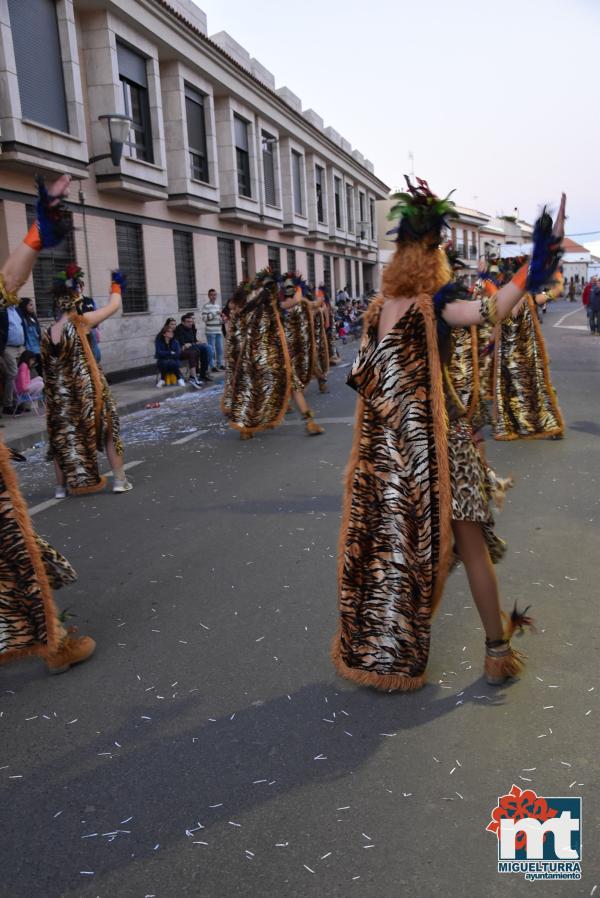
x: 568, y: 315
x: 36, y: 509
x: 190, y: 436
x: 320, y: 420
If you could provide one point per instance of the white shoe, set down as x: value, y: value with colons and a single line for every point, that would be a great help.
x: 60, y: 492
x: 181, y: 382
x: 160, y: 382
x: 122, y: 486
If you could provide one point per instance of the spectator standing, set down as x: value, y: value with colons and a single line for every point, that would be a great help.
x: 595, y: 309
x: 12, y: 341
x: 197, y: 355
x: 213, y: 322
x: 33, y: 331
x: 585, y: 299
x: 167, y: 353
x: 572, y: 291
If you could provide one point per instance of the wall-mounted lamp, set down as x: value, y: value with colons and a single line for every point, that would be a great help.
x: 118, y: 132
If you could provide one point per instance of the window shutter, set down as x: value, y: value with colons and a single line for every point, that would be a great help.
x: 131, y: 65
x: 39, y: 64
x: 185, y: 275
x: 227, y: 272
x: 130, y: 249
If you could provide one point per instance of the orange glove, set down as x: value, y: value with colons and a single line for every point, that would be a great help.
x: 520, y: 278
x: 32, y: 238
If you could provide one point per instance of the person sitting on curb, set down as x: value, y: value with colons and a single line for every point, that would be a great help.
x: 195, y: 353
x: 167, y: 354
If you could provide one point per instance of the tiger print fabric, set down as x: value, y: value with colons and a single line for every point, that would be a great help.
x: 395, y: 538
x: 525, y: 403
x: 300, y: 336
x: 260, y: 367
x: 321, y: 367
x: 465, y: 373
x: 232, y: 352
x: 24, y: 624
x: 78, y: 419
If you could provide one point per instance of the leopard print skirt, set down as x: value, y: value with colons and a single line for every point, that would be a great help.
x: 470, y: 486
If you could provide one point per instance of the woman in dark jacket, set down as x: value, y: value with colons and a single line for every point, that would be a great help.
x: 32, y: 329
x: 167, y: 354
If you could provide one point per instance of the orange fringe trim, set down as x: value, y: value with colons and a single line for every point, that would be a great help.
x: 511, y: 665
x: 386, y: 682
x: 83, y: 330
x: 85, y: 490
x: 440, y: 428
x: 24, y: 523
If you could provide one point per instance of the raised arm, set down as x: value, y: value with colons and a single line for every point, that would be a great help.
x: 93, y: 319
x: 49, y: 229
x: 529, y: 279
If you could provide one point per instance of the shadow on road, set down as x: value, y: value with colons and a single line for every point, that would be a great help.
x: 177, y: 777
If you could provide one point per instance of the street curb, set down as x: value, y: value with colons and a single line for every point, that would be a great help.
x: 26, y: 441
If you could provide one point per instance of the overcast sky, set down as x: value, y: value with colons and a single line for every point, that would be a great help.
x: 498, y: 99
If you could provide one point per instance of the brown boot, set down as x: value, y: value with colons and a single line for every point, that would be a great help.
x: 70, y: 651
x: 312, y: 428
x: 246, y: 434
x: 502, y: 662
x: 323, y: 386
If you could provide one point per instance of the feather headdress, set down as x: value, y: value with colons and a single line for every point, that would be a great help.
x: 421, y: 215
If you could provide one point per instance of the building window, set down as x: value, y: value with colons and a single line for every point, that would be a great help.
x: 372, y: 217
x: 242, y: 156
x: 337, y: 193
x: 356, y: 277
x: 350, y: 207
x: 245, y: 257
x: 291, y: 259
x: 311, y: 274
x: 274, y: 258
x: 185, y: 275
x: 36, y: 43
x: 130, y: 251
x: 297, y: 182
x: 327, y: 274
x: 349, y: 276
x: 134, y: 84
x: 362, y: 224
x: 320, y: 188
x: 196, y: 132
x: 227, y: 270
x: 268, y: 155
x: 48, y: 263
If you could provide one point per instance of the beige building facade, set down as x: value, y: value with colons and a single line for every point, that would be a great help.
x: 222, y: 173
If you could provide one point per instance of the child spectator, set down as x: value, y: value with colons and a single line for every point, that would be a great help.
x: 24, y: 382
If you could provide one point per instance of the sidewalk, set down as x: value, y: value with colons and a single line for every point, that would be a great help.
x: 23, y: 431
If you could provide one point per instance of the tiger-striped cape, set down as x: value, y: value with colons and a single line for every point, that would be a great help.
x: 395, y: 541
x: 525, y: 403
x: 29, y: 569
x: 258, y: 378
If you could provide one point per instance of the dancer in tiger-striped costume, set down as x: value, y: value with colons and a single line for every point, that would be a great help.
x: 81, y: 414
x: 270, y: 357
x: 29, y: 567
x: 415, y: 482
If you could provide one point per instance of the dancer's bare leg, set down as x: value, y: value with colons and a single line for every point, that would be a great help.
x: 473, y: 552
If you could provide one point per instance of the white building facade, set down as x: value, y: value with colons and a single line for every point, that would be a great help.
x: 222, y: 174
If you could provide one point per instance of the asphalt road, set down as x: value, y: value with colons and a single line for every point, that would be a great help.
x: 209, y: 750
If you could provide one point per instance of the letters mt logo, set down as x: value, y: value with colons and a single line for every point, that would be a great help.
x: 531, y: 828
